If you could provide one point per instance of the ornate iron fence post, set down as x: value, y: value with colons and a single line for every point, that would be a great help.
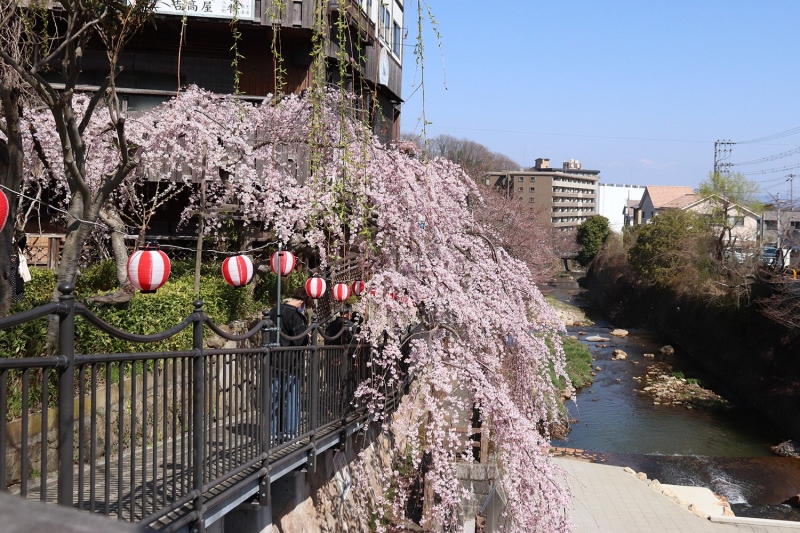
x: 313, y: 385
x: 198, y: 408
x: 66, y: 394
x: 264, y: 492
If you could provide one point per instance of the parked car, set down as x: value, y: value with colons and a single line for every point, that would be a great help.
x: 768, y: 255
x: 737, y: 254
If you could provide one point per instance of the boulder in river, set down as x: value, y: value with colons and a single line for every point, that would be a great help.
x: 619, y: 354
x: 619, y: 333
x: 789, y: 448
x: 667, y: 350
x: 794, y: 501
x: 596, y: 338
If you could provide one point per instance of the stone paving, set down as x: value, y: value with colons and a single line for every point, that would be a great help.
x: 607, y: 499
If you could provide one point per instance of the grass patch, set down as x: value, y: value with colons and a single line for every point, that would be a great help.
x: 579, y: 363
x: 689, y: 381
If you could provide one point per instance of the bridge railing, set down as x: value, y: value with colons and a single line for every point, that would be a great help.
x: 155, y: 437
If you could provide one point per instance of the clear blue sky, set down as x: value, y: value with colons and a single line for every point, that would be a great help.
x: 637, y: 89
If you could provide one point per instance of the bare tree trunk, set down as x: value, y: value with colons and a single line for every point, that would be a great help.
x: 67, y: 271
x: 111, y: 218
x: 124, y: 293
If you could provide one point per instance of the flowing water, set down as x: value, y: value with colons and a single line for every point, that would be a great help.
x: 726, y: 451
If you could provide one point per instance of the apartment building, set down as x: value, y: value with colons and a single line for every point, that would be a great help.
x: 566, y: 196
x: 192, y: 42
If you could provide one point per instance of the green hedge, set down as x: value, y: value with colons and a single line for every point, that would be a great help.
x: 144, y: 313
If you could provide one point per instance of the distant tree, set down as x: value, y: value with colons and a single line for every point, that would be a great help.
x: 672, y: 242
x: 475, y: 158
x: 725, y: 192
x: 519, y: 230
x: 591, y: 235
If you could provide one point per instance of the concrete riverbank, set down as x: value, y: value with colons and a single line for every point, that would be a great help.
x: 607, y: 499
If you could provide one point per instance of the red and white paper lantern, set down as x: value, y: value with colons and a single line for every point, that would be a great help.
x: 3, y: 210
x: 282, y: 262
x: 148, y: 269
x: 341, y: 291
x: 315, y: 287
x: 358, y: 287
x: 237, y: 270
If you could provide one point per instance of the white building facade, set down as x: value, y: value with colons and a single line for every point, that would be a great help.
x: 612, y: 200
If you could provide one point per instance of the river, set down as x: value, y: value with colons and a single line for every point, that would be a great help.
x: 726, y: 451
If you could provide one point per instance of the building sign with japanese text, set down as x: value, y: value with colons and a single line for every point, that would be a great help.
x: 243, y: 9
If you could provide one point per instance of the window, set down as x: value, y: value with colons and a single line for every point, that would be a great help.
x: 520, y: 188
x: 397, y: 41
x: 532, y: 189
x: 387, y: 21
x: 384, y: 23
x: 521, y: 178
x: 531, y: 198
x: 533, y: 179
x: 520, y: 198
x: 735, y: 221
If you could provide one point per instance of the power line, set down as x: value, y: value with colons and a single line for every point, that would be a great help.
x: 774, y: 136
x: 771, y: 170
x: 769, y: 158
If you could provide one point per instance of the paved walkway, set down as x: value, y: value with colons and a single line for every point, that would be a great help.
x: 607, y: 499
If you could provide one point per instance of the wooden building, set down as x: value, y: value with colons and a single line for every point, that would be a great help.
x: 155, y: 64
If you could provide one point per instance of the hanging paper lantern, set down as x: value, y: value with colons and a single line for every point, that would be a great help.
x: 358, y: 287
x: 341, y: 291
x: 148, y: 269
x: 237, y: 270
x: 282, y: 262
x: 315, y: 287
x: 3, y: 210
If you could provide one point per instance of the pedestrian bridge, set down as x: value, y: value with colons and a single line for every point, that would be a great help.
x: 175, y: 440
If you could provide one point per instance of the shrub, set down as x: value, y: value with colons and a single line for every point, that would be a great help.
x: 672, y: 247
x: 100, y: 277
x: 591, y: 235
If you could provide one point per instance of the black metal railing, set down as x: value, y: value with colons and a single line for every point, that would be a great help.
x: 156, y: 437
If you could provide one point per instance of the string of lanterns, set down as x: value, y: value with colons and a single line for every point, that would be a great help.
x: 149, y: 268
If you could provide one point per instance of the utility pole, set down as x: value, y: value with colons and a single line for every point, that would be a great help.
x: 778, y: 206
x: 722, y: 152
x: 791, y: 190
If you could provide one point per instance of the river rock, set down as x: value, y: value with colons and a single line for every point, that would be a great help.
x: 596, y: 338
x: 789, y: 448
x: 619, y: 333
x: 667, y: 350
x: 794, y: 501
x: 650, y: 355
x: 619, y: 354
x: 598, y: 368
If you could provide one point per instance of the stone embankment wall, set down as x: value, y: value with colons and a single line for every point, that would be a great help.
x: 314, y: 502
x: 757, y: 359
